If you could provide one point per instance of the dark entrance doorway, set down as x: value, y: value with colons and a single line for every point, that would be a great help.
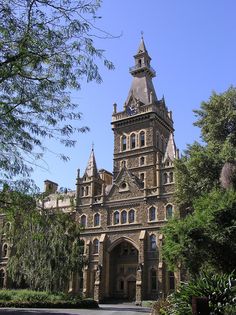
x: 123, y: 268
x: 131, y: 290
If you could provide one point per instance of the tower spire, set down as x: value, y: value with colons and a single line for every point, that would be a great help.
x: 142, y: 88
x: 91, y: 169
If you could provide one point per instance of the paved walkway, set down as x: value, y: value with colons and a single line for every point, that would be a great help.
x: 105, y: 309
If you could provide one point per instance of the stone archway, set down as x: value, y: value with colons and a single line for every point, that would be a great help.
x: 123, y: 262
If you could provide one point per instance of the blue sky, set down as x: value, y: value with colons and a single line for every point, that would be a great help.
x: 192, y: 44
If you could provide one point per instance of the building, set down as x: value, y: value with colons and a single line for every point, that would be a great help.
x: 122, y: 213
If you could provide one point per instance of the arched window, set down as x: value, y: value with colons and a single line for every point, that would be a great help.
x: 171, y: 176
x: 153, y: 242
x: 95, y: 246
x: 116, y: 217
x: 2, y: 278
x: 82, y: 191
x: 132, y: 141
x: 131, y: 216
x: 4, y: 250
x: 124, y: 143
x: 142, y: 160
x: 169, y: 211
x: 87, y: 190
x: 153, y: 278
x: 152, y: 214
x: 83, y: 220
x: 165, y: 178
x: 123, y: 217
x: 142, y: 138
x: 96, y: 219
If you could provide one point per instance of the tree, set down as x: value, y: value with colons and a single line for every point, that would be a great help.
x: 45, y: 248
x: 46, y: 49
x: 205, y: 235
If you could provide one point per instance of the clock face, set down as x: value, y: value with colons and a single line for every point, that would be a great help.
x: 131, y: 110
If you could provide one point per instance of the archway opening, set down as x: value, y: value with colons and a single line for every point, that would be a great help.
x: 123, y: 268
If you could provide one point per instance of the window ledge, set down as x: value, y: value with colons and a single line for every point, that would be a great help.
x: 123, y: 224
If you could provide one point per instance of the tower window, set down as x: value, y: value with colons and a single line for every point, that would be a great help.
x: 152, y: 214
x: 165, y: 178
x: 153, y: 243
x: 140, y: 62
x: 141, y: 176
x: 95, y: 246
x: 97, y: 219
x: 158, y: 140
x: 83, y: 220
x: 142, y: 160
x: 123, y: 217
x: 142, y: 139
x: 86, y: 191
x: 124, y: 143
x: 171, y: 177
x: 132, y: 141
x: 116, y: 217
x: 82, y: 191
x: 169, y: 211
x: 153, y: 279
x: 131, y: 216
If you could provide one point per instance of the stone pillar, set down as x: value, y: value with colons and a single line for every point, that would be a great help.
x: 86, y: 281
x: 139, y: 274
x: 86, y: 271
x: 139, y: 277
x: 161, y: 270
x: 158, y: 174
x: 99, y: 284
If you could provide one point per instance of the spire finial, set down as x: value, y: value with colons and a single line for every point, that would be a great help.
x: 92, y: 145
x: 142, y: 34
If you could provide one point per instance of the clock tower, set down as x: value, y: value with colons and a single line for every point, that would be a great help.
x: 143, y: 128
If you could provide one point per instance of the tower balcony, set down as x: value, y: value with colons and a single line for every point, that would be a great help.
x: 143, y: 67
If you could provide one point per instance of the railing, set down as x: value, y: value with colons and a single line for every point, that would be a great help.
x: 142, y: 110
x: 137, y: 67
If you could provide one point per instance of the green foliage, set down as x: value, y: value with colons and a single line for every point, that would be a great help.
x: 195, y: 174
x: 29, y: 298
x: 205, y: 238
x: 46, y: 49
x: 45, y: 245
x: 217, y: 120
x: 218, y: 288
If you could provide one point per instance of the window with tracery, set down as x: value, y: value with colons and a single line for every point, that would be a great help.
x: 131, y: 216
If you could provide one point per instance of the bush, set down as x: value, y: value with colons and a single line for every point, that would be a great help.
x: 42, y: 299
x: 218, y: 288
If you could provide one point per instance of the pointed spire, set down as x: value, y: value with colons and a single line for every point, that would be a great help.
x: 91, y: 169
x: 170, y: 149
x: 142, y: 87
x: 142, y: 47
